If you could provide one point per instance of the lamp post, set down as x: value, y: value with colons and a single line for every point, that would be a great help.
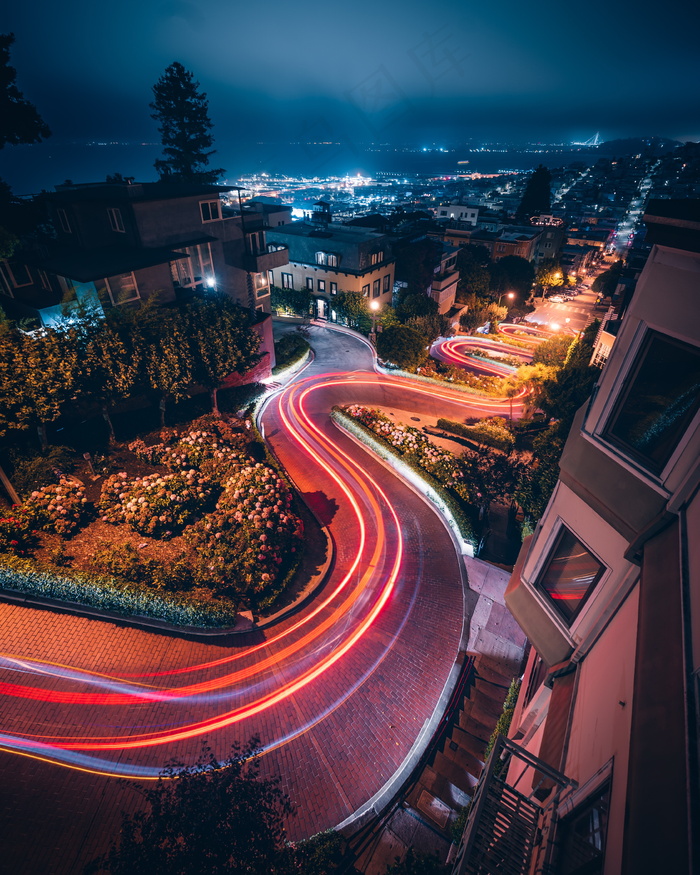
x: 374, y: 310
x: 509, y: 295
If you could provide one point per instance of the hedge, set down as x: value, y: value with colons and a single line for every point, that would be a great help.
x: 483, y: 433
x: 109, y: 594
x: 446, y: 502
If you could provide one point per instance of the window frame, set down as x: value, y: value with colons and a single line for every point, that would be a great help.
x: 376, y: 288
x: 116, y: 222
x: 562, y: 531
x: 64, y: 220
x: 118, y: 303
x: 365, y: 291
x: 626, y: 390
x: 208, y: 204
x: 287, y: 280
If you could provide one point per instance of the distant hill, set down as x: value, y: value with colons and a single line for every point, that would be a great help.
x: 647, y: 146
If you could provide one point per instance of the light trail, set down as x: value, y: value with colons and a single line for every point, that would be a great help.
x: 307, y: 647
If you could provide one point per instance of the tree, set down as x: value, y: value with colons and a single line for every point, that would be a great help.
x: 413, y: 305
x: 182, y: 112
x: 403, y: 346
x: 553, y: 351
x: 166, y: 352
x: 512, y: 274
x: 474, y: 278
x: 221, y: 342
x: 479, y: 312
x: 532, y: 377
x: 211, y: 817
x: 606, y: 283
x: 537, y: 197
x: 549, y: 274
x: 415, y: 262
x: 418, y: 863
x: 21, y: 123
x: 352, y: 307
x: 430, y: 327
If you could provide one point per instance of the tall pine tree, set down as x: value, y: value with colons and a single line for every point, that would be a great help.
x: 182, y: 112
x: 537, y: 197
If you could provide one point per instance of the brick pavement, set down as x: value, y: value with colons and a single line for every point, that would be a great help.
x: 350, y: 729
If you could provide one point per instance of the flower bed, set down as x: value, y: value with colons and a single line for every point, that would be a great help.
x: 441, y: 470
x: 17, y: 535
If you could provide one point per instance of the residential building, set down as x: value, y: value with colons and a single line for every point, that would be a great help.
x: 443, y: 288
x: 120, y: 243
x: 604, y: 743
x: 326, y: 257
x: 455, y: 211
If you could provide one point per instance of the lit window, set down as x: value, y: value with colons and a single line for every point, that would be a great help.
x: 310, y: 283
x: 570, y: 575
x: 365, y: 290
x: 287, y: 281
x: 376, y: 288
x: 322, y: 285
x: 387, y: 280
x: 270, y: 278
x: 63, y: 220
x: 334, y: 288
x: 658, y: 401
x: 115, y: 219
x: 211, y: 210
x: 376, y: 257
x: 320, y: 258
x: 581, y: 836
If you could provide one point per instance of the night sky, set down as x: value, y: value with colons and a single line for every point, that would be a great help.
x: 397, y: 70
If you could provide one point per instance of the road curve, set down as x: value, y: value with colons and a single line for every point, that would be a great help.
x: 337, y: 693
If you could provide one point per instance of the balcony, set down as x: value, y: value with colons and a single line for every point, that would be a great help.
x: 506, y: 824
x: 264, y: 261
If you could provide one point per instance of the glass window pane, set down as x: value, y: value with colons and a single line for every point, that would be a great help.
x: 659, y: 401
x: 570, y: 575
x: 581, y: 837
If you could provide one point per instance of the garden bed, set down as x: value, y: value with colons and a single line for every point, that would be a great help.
x: 196, y: 516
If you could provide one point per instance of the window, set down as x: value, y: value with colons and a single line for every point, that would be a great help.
x: 376, y: 257
x: 580, y: 837
x: 115, y: 219
x: 365, y: 290
x: 210, y: 210
x: 123, y: 288
x: 334, y: 288
x: 63, y: 221
x: 570, y: 575
x: 376, y: 288
x: 443, y: 212
x: 270, y: 278
x: 5, y: 285
x: 322, y: 285
x: 44, y: 280
x: 332, y: 259
x: 387, y: 281
x: 19, y: 274
x: 327, y: 258
x: 287, y: 281
x: 310, y: 283
x: 658, y: 401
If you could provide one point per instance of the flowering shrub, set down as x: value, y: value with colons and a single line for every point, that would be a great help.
x: 158, y: 505
x: 17, y: 535
x: 244, y: 542
x: 443, y: 465
x: 59, y: 507
x: 216, y: 444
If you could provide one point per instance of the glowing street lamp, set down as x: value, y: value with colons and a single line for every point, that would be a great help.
x: 509, y: 295
x: 374, y: 312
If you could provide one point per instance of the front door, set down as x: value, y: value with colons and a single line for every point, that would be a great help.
x: 321, y: 308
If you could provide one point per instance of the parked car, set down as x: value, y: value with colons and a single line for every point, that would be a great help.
x: 556, y: 299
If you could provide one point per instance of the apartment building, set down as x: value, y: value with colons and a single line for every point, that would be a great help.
x: 601, y: 767
x: 326, y: 258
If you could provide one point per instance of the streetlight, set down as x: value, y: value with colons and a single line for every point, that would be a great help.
x: 509, y: 295
x: 374, y: 310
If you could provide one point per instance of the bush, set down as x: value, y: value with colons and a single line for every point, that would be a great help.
x: 290, y: 349
x: 59, y: 508
x: 17, y: 535
x: 403, y: 346
x: 30, y: 472
x: 125, y: 562
x: 491, y: 432
x: 158, y: 505
x: 106, y: 593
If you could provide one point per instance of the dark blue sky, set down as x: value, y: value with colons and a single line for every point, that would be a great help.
x: 370, y: 70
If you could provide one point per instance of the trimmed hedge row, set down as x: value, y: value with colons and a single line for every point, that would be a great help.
x: 449, y: 384
x: 385, y: 450
x: 109, y: 594
x: 483, y: 433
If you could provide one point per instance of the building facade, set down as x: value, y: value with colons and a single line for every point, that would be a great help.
x: 607, y: 590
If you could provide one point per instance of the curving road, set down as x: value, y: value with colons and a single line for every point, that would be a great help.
x: 337, y: 693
